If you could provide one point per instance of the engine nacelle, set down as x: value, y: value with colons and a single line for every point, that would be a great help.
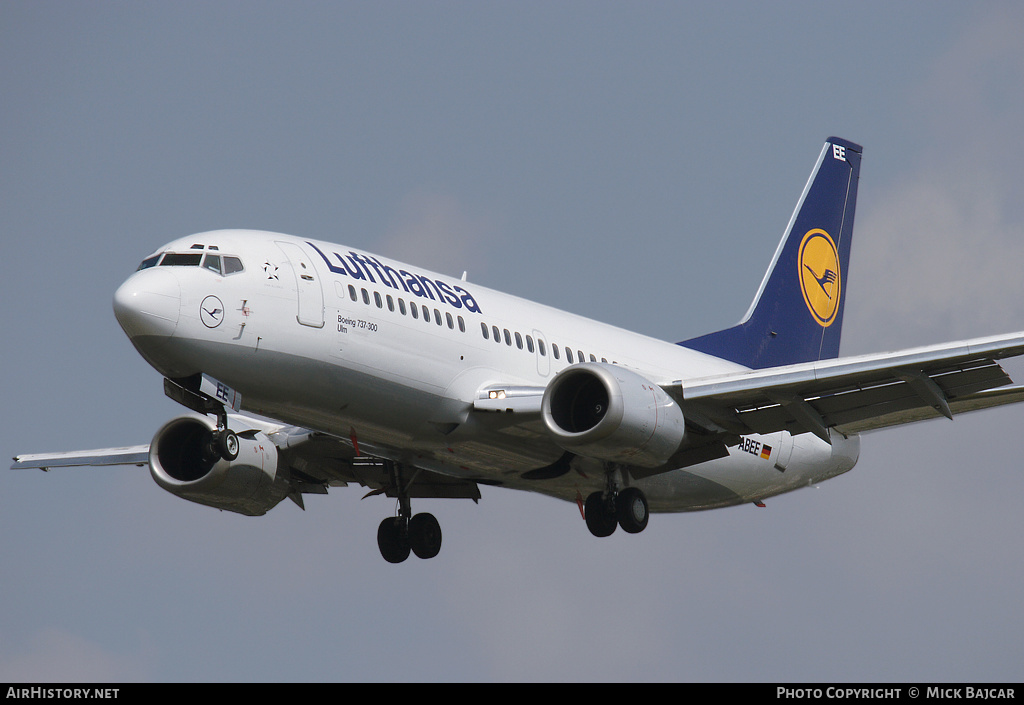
x: 180, y: 460
x: 607, y: 412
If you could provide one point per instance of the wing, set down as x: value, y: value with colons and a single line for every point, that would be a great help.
x: 130, y: 455
x: 313, y: 462
x: 317, y: 460
x: 856, y: 394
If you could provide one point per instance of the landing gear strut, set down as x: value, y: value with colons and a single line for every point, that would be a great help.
x: 606, y: 510
x: 419, y: 533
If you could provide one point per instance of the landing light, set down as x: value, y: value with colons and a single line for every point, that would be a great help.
x: 498, y: 394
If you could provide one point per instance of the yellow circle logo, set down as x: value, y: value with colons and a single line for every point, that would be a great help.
x: 818, y: 262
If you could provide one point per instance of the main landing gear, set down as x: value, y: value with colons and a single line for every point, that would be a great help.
x: 397, y: 536
x: 606, y: 510
x: 407, y: 532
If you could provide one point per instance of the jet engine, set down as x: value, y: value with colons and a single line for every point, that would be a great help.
x: 607, y: 412
x: 184, y: 460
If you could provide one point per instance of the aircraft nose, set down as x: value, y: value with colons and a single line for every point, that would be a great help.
x: 148, y: 303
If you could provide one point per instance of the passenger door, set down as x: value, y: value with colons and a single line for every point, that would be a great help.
x: 310, y: 293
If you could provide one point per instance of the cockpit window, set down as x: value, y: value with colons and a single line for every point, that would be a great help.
x: 212, y: 262
x: 232, y: 265
x: 149, y: 262
x: 215, y: 262
x: 185, y: 259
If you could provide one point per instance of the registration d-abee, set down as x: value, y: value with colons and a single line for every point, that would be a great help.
x: 366, y: 371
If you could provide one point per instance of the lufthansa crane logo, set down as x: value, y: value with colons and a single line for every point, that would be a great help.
x: 820, y: 279
x: 211, y: 311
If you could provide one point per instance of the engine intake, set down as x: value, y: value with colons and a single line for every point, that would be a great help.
x: 181, y: 462
x: 607, y: 412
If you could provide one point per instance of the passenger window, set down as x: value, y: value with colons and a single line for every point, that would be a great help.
x: 401, y: 305
x: 352, y: 293
x: 426, y: 314
x: 581, y: 358
x: 377, y: 300
x: 483, y: 329
x: 497, y: 335
x: 540, y: 347
x: 554, y: 350
x: 451, y: 321
x: 366, y: 297
x: 391, y: 303
x: 568, y: 355
x: 519, y: 341
x: 592, y: 358
x: 462, y: 325
x: 437, y: 317
x: 508, y: 338
x: 232, y: 265
x: 529, y: 344
x: 414, y: 311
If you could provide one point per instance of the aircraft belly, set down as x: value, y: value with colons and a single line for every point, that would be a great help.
x: 745, y: 476
x: 740, y: 478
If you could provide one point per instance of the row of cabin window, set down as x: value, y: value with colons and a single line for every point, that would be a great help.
x: 413, y: 309
x: 497, y: 335
x: 520, y: 340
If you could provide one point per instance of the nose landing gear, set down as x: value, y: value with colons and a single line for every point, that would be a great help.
x: 206, y: 395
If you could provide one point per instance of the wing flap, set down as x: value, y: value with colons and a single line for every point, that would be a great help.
x: 858, y: 393
x: 972, y: 402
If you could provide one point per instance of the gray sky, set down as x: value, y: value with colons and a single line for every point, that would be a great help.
x: 633, y: 162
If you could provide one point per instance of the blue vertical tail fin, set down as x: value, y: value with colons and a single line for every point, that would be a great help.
x: 797, y: 314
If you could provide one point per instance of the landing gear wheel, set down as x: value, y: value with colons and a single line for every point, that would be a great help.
x: 424, y: 535
x: 227, y: 444
x: 393, y: 540
x: 600, y: 520
x: 631, y: 510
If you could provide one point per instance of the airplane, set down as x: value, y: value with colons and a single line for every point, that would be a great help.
x: 308, y: 365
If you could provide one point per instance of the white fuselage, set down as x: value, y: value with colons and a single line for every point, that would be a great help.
x: 323, y: 336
